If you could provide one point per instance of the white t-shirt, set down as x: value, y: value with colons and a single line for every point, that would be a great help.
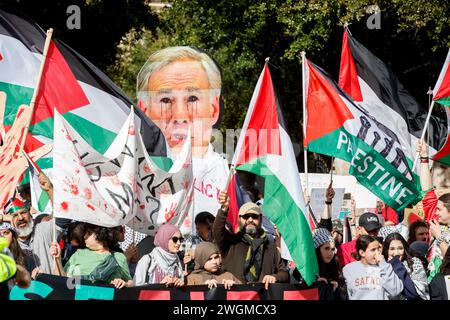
x: 210, y: 178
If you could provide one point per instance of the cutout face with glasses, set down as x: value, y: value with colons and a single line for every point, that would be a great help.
x: 175, y: 242
x: 179, y: 97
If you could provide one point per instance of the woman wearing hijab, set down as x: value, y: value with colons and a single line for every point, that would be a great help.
x: 207, y: 268
x: 162, y: 264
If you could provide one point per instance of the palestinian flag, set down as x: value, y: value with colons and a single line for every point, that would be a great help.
x: 441, y: 94
x: 39, y: 199
x: 373, y: 85
x: 237, y: 197
x: 265, y: 149
x: 83, y: 94
x: 346, y: 231
x: 339, y: 128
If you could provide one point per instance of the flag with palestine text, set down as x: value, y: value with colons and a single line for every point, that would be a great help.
x: 338, y: 127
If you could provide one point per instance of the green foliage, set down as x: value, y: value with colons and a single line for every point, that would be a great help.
x: 103, y: 23
x: 240, y: 34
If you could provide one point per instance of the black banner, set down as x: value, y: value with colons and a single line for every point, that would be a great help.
x: 49, y: 287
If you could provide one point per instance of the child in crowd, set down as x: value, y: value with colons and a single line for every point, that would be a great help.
x: 371, y: 277
x: 208, y: 268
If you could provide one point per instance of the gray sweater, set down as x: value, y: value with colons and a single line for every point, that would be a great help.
x: 371, y: 282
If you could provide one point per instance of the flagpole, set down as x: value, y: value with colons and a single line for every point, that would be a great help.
x: 331, y: 171
x: 430, y: 99
x: 305, y: 151
x: 40, y: 172
x: 427, y: 121
x: 38, y: 83
x: 230, y: 174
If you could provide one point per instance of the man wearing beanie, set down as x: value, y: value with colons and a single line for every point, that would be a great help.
x: 248, y: 255
x: 369, y: 224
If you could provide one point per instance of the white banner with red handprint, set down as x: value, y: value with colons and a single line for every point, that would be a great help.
x: 122, y: 186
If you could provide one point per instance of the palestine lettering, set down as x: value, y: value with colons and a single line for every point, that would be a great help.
x: 190, y: 310
x: 374, y: 171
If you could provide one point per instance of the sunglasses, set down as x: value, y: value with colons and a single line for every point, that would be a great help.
x: 176, y: 239
x: 246, y: 216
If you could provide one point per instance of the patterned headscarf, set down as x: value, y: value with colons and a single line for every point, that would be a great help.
x: 14, y: 205
x: 8, y: 226
x: 321, y: 236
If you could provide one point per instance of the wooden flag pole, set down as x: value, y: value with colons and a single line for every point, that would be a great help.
x: 37, y: 85
x: 305, y: 151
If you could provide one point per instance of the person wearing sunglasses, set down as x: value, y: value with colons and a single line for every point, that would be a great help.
x: 248, y: 254
x: 162, y: 264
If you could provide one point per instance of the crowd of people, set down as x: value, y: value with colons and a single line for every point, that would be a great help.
x: 385, y: 260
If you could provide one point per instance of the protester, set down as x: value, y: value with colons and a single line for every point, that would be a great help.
x: 389, y: 215
x: 73, y: 240
x: 329, y: 269
x: 325, y: 218
x: 387, y: 230
x: 34, y: 238
x: 141, y: 241
x: 419, y: 230
x: 97, y: 262
x: 419, y: 249
x: 163, y: 264
x: 24, y: 259
x: 415, y: 282
x: 371, y: 277
x: 369, y: 224
x: 119, y: 236
x: 441, y: 282
x: 338, y: 238
x: 437, y: 213
x: 203, y: 225
x: 248, y: 255
x: 9, y: 270
x: 131, y: 253
x: 208, y: 268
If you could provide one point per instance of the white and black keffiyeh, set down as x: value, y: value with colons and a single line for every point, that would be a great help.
x: 138, y: 237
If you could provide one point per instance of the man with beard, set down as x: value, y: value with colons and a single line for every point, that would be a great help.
x: 34, y: 239
x: 248, y: 254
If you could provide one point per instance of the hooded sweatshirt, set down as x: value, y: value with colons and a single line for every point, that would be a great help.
x: 202, y: 253
x: 371, y: 282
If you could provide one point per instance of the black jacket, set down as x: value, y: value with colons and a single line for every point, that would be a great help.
x: 438, y: 289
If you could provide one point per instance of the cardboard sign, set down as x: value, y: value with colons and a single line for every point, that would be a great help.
x: 318, y: 201
x: 363, y: 197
